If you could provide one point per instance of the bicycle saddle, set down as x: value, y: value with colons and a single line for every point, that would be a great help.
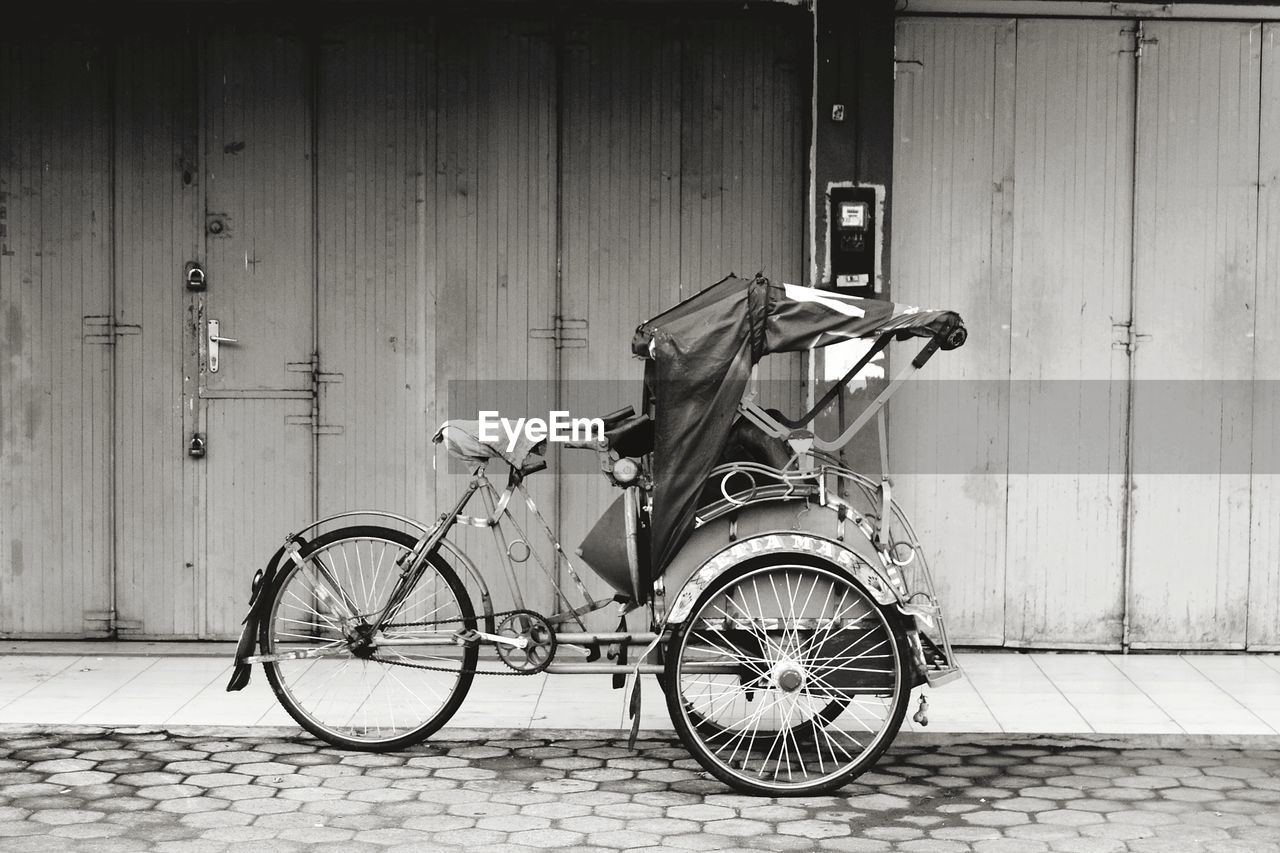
x: 462, y: 440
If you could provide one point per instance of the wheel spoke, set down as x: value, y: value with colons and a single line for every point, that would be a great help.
x: 363, y: 693
x: 819, y: 689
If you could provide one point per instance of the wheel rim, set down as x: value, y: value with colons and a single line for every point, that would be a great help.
x: 326, y: 604
x: 815, y: 682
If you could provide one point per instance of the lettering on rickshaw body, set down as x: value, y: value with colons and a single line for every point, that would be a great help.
x: 779, y: 543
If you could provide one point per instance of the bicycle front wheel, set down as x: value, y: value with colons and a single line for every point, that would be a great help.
x: 351, y: 686
x: 787, y: 679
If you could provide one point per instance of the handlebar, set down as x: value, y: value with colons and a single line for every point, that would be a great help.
x: 952, y: 336
x: 611, y: 422
x: 593, y: 444
x: 624, y: 431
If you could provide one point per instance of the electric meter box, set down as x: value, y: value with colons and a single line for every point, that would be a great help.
x: 855, y: 238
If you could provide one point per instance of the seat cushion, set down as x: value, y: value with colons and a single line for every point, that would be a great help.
x: 462, y: 440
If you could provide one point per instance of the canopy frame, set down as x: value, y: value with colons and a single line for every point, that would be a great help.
x: 787, y: 429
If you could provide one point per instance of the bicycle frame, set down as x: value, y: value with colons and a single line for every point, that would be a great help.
x: 414, y: 565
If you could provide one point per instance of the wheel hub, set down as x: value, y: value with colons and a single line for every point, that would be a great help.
x: 789, y: 677
x: 360, y: 640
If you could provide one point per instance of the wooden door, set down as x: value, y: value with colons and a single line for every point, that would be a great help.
x: 952, y: 248
x: 57, y: 338
x: 159, y: 488
x: 212, y: 166
x: 1071, y: 273
x: 1196, y: 218
x: 257, y: 406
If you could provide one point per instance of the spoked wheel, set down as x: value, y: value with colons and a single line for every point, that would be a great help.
x: 360, y: 689
x: 787, y: 678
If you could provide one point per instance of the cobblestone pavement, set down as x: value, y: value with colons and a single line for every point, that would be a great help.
x: 134, y: 790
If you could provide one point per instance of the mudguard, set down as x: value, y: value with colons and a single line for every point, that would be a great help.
x: 716, y: 546
x: 799, y: 526
x: 263, y: 582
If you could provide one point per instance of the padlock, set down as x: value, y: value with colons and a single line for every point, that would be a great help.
x: 197, y: 447
x: 195, y: 276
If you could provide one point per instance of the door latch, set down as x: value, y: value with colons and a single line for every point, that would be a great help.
x: 214, y: 340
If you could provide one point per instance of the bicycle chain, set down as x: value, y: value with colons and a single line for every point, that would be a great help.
x: 425, y: 623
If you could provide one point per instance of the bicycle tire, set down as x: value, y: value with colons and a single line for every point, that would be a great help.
x: 284, y: 676
x: 730, y: 743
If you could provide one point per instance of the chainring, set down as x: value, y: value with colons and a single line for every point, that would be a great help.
x: 539, y: 636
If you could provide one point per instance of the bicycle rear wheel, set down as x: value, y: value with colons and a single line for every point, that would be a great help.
x: 350, y: 689
x: 787, y: 678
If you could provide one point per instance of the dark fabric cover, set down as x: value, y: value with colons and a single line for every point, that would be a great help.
x: 701, y: 353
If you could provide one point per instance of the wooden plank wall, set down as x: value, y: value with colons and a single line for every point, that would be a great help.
x: 493, y: 248
x: 159, y: 490
x: 952, y: 247
x: 256, y: 123
x: 436, y: 190
x: 683, y: 160
x: 622, y: 178
x: 436, y: 152
x: 434, y: 271
x: 1072, y: 262
x: 55, y: 384
x: 1069, y: 257
x: 743, y: 197
x: 1196, y: 216
x: 1264, y: 553
x: 376, y: 288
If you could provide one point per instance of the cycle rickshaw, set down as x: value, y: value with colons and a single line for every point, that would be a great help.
x: 789, y: 609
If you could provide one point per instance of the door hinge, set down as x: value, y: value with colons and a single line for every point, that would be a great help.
x: 103, y: 329
x: 109, y: 622
x: 312, y: 366
x: 567, y: 333
x: 316, y: 429
x: 1140, y: 40
x: 318, y: 377
x: 1125, y: 337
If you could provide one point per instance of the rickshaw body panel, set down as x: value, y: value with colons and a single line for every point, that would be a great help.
x: 801, y: 525
x: 795, y: 525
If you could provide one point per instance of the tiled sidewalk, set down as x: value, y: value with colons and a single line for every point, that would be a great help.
x: 1228, y: 695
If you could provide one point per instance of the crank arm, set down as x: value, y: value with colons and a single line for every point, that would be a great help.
x: 474, y: 636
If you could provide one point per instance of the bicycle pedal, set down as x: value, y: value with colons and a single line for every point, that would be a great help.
x: 469, y: 637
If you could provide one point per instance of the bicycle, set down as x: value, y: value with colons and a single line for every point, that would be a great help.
x: 803, y: 616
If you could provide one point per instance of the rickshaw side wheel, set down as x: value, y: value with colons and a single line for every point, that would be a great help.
x: 359, y: 695
x: 788, y: 678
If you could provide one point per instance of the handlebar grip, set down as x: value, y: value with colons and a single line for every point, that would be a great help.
x: 955, y: 337
x: 949, y: 338
x: 612, y: 419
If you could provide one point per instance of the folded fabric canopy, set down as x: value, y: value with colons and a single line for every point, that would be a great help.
x: 700, y: 357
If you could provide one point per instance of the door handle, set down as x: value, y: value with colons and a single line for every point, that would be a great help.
x: 214, y: 340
